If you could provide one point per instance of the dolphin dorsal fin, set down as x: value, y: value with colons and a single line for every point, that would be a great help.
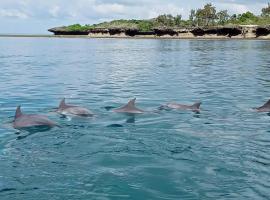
x: 267, y: 104
x: 131, y: 103
x: 18, y: 112
x: 197, y: 105
x: 62, y: 103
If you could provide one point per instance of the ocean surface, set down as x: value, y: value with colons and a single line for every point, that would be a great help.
x: 223, y: 152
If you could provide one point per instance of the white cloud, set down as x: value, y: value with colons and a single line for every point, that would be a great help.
x: 94, y: 10
x: 54, y: 11
x: 64, y: 12
x: 235, y: 8
x: 238, y: 8
x: 13, y: 13
x: 109, y: 8
x: 165, y: 9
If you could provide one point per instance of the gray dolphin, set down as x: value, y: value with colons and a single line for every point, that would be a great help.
x: 27, y: 121
x: 264, y: 108
x: 129, y: 108
x: 66, y: 109
x: 195, y: 107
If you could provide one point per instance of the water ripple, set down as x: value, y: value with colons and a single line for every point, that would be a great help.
x: 220, y: 153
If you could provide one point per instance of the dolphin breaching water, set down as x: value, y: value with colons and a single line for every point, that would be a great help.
x: 22, y: 121
x: 195, y: 107
x: 129, y: 108
x: 66, y: 109
x: 264, y: 108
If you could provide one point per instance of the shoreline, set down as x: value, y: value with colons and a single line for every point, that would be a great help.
x: 214, y: 32
x: 127, y: 37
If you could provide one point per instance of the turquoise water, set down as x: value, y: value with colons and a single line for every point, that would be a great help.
x: 221, y: 153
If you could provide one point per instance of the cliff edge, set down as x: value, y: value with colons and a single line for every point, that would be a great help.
x: 215, y: 32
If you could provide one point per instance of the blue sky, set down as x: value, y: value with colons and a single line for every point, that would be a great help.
x: 36, y: 16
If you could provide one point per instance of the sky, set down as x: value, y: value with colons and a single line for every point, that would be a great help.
x: 36, y: 16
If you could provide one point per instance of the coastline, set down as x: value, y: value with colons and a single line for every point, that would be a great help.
x: 214, y: 32
x: 142, y: 37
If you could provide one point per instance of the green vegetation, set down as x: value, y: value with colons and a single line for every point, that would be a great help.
x: 206, y: 16
x: 78, y: 27
x: 142, y: 25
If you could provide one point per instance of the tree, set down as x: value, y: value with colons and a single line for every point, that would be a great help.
x: 266, y: 11
x: 247, y: 18
x: 206, y: 15
x: 209, y: 13
x: 165, y: 20
x: 200, y: 17
x: 223, y: 17
x: 233, y: 17
x: 168, y: 20
x: 145, y: 25
x: 178, y: 20
x: 192, y: 17
x: 161, y: 19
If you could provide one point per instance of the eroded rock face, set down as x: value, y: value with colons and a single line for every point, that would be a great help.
x: 229, y: 31
x: 99, y: 30
x: 193, y: 32
x: 219, y: 31
x: 118, y: 31
x: 165, y: 31
x: 64, y: 31
x: 262, y: 31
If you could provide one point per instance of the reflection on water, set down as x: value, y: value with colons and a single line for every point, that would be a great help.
x: 220, y: 153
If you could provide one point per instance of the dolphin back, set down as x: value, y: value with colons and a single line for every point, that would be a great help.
x: 62, y: 104
x: 129, y: 108
x: 66, y: 109
x: 77, y: 110
x: 168, y: 106
x: 18, y: 112
x: 265, y: 107
x: 26, y: 121
x: 196, y: 105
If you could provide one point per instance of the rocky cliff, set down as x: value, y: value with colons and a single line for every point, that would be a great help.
x: 262, y: 32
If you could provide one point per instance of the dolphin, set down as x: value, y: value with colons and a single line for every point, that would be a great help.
x: 264, y: 108
x: 65, y: 109
x: 129, y: 108
x: 22, y: 121
x: 195, y: 107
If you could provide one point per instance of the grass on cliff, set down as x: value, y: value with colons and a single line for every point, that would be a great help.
x: 142, y: 25
x: 78, y: 27
x: 255, y: 21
